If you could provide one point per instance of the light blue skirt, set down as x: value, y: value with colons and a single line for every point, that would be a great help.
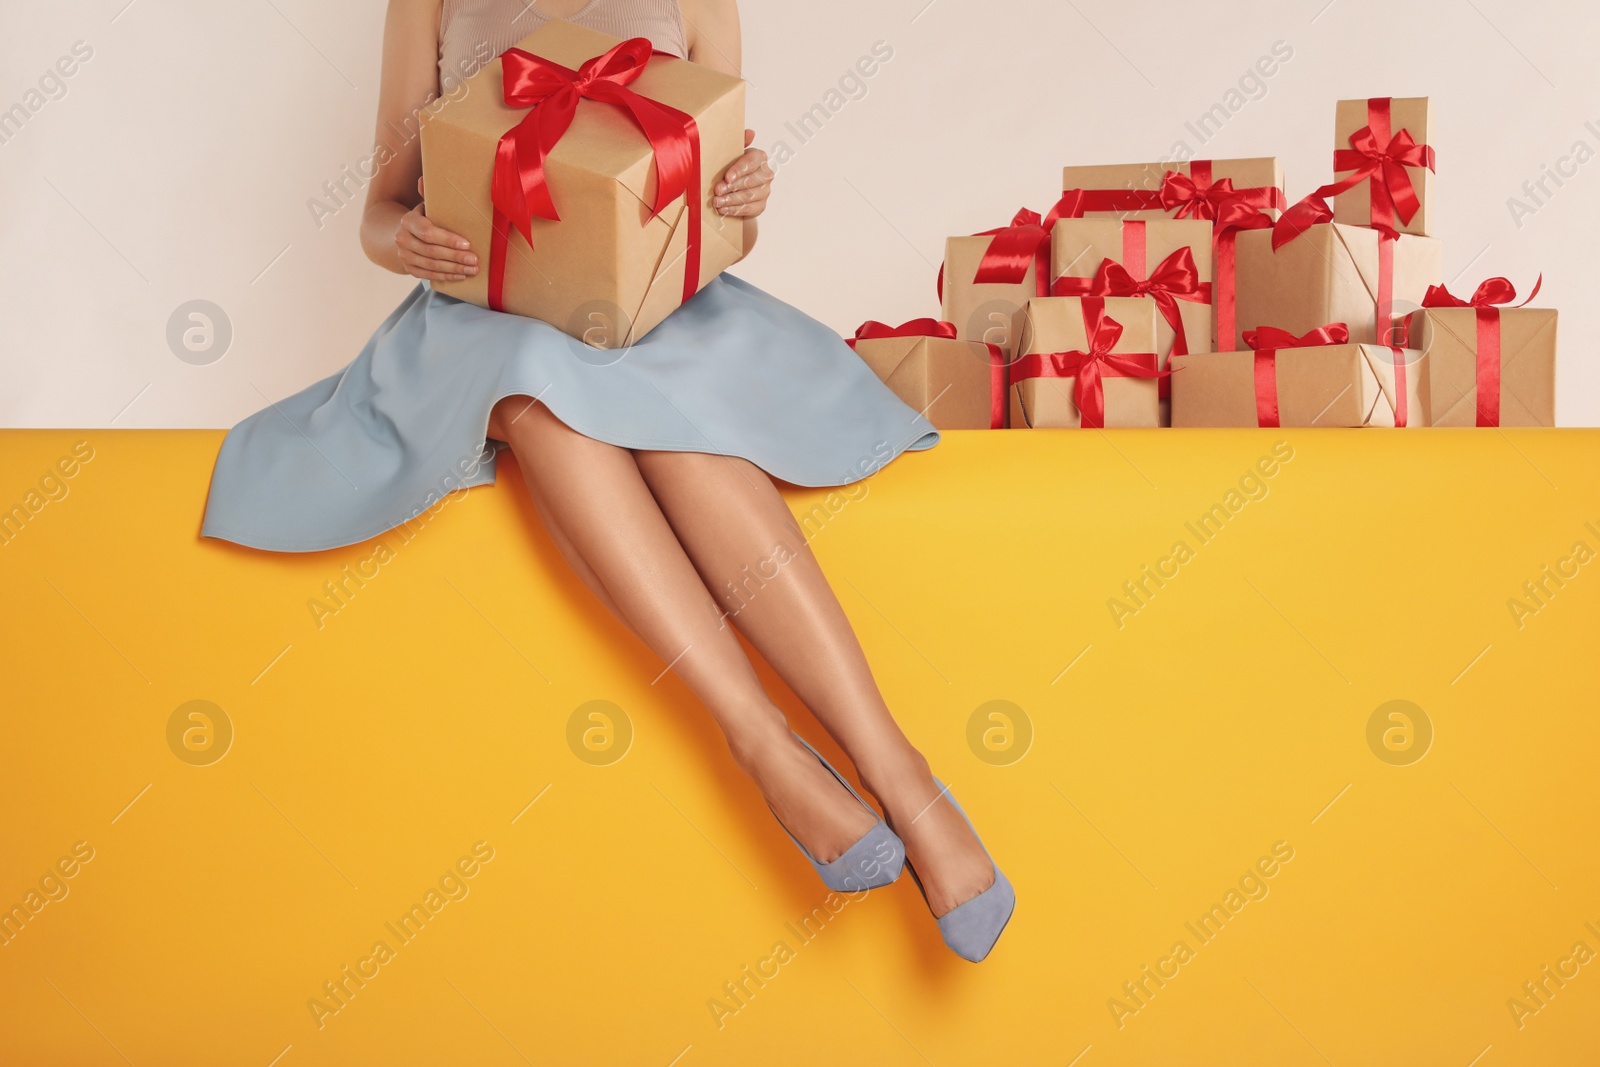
x: 733, y: 372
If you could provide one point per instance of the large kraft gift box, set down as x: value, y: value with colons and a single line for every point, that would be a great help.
x: 957, y: 385
x: 1330, y: 385
x: 1053, y: 334
x: 610, y: 269
x: 1367, y: 132
x: 1133, y: 190
x: 1329, y: 273
x: 986, y: 311
x: 1453, y: 366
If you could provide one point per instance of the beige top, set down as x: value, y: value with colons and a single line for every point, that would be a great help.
x: 475, y: 32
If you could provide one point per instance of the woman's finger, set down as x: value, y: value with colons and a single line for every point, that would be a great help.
x: 417, y: 262
x: 749, y: 163
x: 408, y: 240
x: 432, y: 233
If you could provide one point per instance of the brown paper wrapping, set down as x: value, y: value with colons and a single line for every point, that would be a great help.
x: 1246, y: 174
x: 984, y: 312
x: 1448, y: 338
x: 1328, y: 274
x: 1077, y: 247
x: 607, y: 272
x: 1330, y: 385
x: 1055, y: 324
x: 948, y: 381
x: 1354, y: 206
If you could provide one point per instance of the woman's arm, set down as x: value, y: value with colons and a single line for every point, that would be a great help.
x: 395, y: 233
x: 714, y: 41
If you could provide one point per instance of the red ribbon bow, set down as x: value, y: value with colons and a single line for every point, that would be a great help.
x: 520, y: 189
x: 1377, y: 155
x: 1270, y: 338
x: 1492, y: 292
x: 1175, y: 278
x: 1267, y: 340
x: 873, y: 330
x: 1089, y: 368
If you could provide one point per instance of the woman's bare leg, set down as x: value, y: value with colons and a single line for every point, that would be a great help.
x: 729, y: 517
x: 603, y: 517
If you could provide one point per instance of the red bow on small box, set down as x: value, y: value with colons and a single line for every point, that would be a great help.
x: 1175, y: 278
x: 1089, y: 368
x: 1383, y: 157
x: 520, y: 189
x: 872, y: 330
x: 1494, y: 291
x: 1267, y: 341
x: 1195, y: 195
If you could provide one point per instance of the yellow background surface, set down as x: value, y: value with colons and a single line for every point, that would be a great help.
x: 1141, y: 772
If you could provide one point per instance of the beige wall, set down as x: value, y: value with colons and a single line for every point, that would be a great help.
x: 178, y: 161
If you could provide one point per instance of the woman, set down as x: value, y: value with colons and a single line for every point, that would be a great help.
x: 649, y: 467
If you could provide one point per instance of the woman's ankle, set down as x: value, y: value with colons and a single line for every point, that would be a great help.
x: 897, y: 778
x: 756, y: 736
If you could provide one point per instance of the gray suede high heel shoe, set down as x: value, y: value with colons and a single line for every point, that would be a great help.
x: 972, y: 927
x: 875, y: 860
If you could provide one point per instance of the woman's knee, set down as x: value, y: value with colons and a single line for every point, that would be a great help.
x: 516, y: 412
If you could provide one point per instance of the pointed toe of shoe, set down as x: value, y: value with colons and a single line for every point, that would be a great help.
x: 973, y: 927
x: 871, y: 863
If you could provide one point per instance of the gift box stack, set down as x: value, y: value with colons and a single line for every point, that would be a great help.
x: 1194, y: 294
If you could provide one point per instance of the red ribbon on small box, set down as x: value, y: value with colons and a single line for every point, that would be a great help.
x: 1377, y: 154
x: 1014, y: 248
x: 1494, y: 291
x: 1313, y: 211
x: 872, y: 330
x: 1089, y: 368
x: 1192, y: 195
x: 1175, y: 278
x: 1267, y: 342
x: 520, y: 190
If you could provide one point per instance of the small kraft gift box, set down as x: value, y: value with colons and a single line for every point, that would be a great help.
x: 1383, y: 164
x: 987, y: 277
x: 957, y: 385
x: 1317, y: 379
x: 580, y: 168
x: 1085, y: 362
x: 1484, y: 364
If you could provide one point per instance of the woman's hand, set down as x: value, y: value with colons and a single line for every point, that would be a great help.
x: 431, y: 252
x: 743, y: 191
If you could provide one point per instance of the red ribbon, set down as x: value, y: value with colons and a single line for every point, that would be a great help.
x: 520, y: 189
x: 872, y: 330
x: 1195, y: 195
x: 1233, y: 217
x: 1313, y: 211
x: 1267, y: 342
x: 1382, y: 157
x: 1089, y: 368
x: 1492, y: 292
x: 1014, y: 248
x: 1192, y: 195
x: 1175, y: 278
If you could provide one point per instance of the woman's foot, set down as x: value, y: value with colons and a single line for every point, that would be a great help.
x: 949, y: 859
x: 803, y: 794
